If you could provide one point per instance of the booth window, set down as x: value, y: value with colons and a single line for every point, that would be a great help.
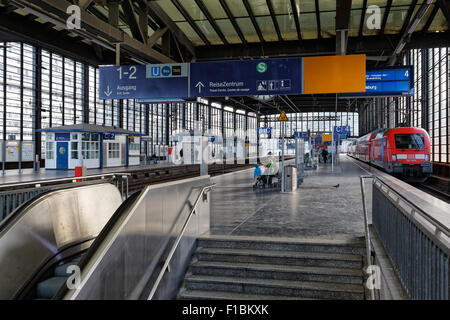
x: 134, y: 146
x: 49, y: 151
x: 114, y: 150
x: 90, y: 146
x: 74, y: 147
x: 74, y: 136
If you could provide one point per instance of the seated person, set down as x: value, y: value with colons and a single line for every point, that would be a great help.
x: 257, y: 174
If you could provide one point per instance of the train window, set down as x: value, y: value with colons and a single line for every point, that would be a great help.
x: 409, y: 141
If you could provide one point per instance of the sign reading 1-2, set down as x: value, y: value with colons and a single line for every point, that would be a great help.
x: 131, y: 73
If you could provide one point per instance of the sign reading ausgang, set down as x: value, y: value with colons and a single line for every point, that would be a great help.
x: 144, y: 81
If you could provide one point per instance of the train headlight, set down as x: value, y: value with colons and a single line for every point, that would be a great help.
x: 394, y: 157
x: 427, y: 157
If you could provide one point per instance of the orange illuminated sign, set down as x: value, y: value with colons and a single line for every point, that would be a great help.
x: 334, y: 74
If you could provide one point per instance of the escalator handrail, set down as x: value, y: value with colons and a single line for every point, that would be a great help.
x: 177, y: 241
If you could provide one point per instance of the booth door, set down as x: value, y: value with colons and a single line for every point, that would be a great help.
x: 62, y: 155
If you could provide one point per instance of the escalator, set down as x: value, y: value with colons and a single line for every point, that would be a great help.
x: 117, y: 246
x: 41, y: 238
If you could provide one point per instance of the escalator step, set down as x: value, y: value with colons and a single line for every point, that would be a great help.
x: 49, y: 288
x: 61, y: 271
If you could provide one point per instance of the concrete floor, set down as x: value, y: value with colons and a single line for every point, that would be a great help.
x: 316, y: 209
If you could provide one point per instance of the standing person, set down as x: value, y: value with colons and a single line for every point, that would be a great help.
x: 324, y: 155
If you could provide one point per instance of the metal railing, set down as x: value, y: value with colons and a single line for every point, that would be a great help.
x: 366, y: 229
x: 12, y: 195
x: 417, y: 243
x: 174, y: 247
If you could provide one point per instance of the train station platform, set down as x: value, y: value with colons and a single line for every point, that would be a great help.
x: 28, y: 175
x: 327, y: 205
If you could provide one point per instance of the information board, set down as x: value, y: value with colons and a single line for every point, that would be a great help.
x: 387, y: 82
x: 246, y: 77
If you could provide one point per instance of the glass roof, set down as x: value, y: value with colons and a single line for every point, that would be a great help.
x: 256, y: 18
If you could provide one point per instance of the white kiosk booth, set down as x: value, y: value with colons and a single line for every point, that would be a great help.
x: 90, y: 145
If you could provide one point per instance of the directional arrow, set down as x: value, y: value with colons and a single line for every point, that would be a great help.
x: 108, y: 92
x: 199, y: 85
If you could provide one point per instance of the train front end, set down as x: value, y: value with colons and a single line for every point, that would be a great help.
x: 408, y: 153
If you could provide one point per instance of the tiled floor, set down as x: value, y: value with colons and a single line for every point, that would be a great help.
x: 316, y: 209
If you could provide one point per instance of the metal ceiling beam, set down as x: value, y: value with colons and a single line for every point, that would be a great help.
x: 430, y: 19
x: 233, y: 21
x: 445, y: 8
x: 274, y: 19
x: 295, y: 16
x: 405, y: 37
x: 130, y: 18
x: 319, y: 28
x: 93, y: 28
x: 370, y: 45
x: 211, y: 20
x: 363, y: 18
x: 161, y: 16
x: 31, y: 32
x: 343, y: 10
x: 254, y: 22
x: 408, y: 16
x: 191, y: 21
x: 387, y: 10
x: 84, y: 4
x: 156, y: 36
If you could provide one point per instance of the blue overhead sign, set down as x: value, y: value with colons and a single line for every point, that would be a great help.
x: 387, y: 82
x: 246, y: 77
x: 144, y: 81
x: 202, y: 79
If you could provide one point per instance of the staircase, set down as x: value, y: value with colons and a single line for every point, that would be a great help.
x: 226, y: 267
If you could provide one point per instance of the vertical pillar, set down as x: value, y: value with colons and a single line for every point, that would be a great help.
x: 21, y: 105
x: 38, y: 103
x: 166, y: 106
x: 120, y: 113
x: 4, y: 112
x: 85, y: 91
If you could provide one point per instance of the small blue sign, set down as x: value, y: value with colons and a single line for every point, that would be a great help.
x: 109, y: 136
x: 344, y: 130
x: 62, y: 136
x: 265, y: 130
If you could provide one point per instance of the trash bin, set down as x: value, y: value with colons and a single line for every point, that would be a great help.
x: 80, y: 171
x: 290, y: 178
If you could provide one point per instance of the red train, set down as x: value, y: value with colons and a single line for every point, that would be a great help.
x: 400, y: 151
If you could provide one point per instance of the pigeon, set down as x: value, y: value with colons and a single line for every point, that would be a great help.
x: 336, y: 186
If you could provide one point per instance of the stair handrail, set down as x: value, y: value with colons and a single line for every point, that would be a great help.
x: 177, y: 241
x: 366, y: 229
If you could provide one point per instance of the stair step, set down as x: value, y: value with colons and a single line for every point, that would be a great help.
x: 350, y: 245
x: 277, y: 272
x: 222, y: 295
x: 49, y: 288
x: 339, y: 260
x: 316, y: 290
